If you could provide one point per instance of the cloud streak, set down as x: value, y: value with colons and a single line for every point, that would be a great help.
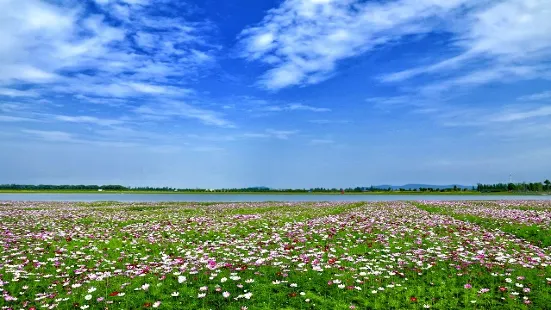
x: 510, y: 33
x: 294, y: 107
x: 122, y: 49
x: 302, y: 41
x: 175, y: 109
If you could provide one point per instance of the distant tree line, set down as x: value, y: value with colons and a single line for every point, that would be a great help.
x: 544, y: 186
x: 499, y: 187
x: 61, y: 187
x: 233, y: 190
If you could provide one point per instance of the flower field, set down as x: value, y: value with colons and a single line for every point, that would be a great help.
x: 327, y: 255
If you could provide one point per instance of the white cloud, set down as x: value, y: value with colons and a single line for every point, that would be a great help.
x: 293, y: 107
x: 522, y: 114
x: 299, y: 106
x: 504, y: 33
x: 132, y: 55
x: 281, y: 134
x: 51, y: 135
x: 10, y: 92
x: 175, y: 109
x: 9, y: 118
x: 25, y: 73
x: 392, y: 102
x: 9, y: 107
x: 89, y: 120
x: 63, y: 137
x: 120, y: 89
x: 303, y: 40
x: 514, y: 121
x: 538, y: 96
x: 498, y: 73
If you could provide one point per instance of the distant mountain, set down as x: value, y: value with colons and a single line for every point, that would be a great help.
x: 417, y: 186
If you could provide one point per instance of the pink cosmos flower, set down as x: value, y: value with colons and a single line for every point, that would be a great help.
x: 211, y: 264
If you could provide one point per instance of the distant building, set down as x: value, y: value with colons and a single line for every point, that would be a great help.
x: 100, y: 190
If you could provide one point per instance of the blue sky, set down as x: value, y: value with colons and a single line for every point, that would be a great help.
x: 293, y: 93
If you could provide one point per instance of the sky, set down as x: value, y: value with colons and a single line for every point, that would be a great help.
x: 292, y: 93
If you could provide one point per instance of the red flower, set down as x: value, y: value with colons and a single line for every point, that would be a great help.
x: 147, y: 304
x: 413, y: 299
x: 293, y: 294
x: 115, y: 293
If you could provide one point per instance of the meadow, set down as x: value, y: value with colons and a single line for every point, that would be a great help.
x: 323, y: 255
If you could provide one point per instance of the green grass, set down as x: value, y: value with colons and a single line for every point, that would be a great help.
x: 371, y: 248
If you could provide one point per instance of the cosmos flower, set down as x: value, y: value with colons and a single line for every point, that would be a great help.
x: 111, y: 246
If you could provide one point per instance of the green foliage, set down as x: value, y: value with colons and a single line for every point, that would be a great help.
x: 515, y: 187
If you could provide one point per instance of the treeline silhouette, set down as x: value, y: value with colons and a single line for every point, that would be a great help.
x: 499, y: 187
x: 544, y: 186
x: 23, y: 187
